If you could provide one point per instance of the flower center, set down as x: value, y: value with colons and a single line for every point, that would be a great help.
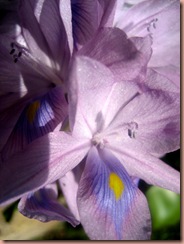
x: 98, y: 140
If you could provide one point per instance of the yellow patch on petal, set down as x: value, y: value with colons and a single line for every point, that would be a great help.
x: 31, y: 111
x: 116, y: 185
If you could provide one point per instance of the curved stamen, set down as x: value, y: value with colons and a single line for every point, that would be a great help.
x: 152, y: 25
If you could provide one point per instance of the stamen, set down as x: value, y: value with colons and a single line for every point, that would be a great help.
x: 98, y: 141
x: 152, y: 25
x: 15, y: 60
x: 133, y: 126
x: 19, y: 54
x: 131, y: 133
x: 16, y: 50
x: 12, y: 51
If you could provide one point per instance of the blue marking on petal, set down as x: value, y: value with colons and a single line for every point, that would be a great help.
x: 100, y: 165
x: 39, y: 117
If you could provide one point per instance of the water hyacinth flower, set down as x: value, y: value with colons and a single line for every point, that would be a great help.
x: 38, y: 51
x: 128, y: 64
x: 161, y: 20
x: 142, y: 49
x: 115, y: 135
x: 117, y: 130
x: 35, y: 85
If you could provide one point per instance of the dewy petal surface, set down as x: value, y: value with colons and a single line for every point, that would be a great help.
x: 110, y: 206
x: 161, y: 19
x: 151, y: 118
x: 43, y: 161
x: 90, y: 83
x: 126, y: 58
x: 44, y: 206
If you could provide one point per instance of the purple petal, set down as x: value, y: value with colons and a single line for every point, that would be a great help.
x: 122, y: 93
x: 44, y: 206
x: 171, y: 73
x: 84, y: 19
x: 45, y: 34
x: 108, y: 8
x: 20, y: 85
x: 88, y: 16
x: 39, y: 117
x: 31, y: 31
x: 142, y: 165
x: 43, y: 161
x: 110, y: 206
x: 86, y: 98
x: 66, y: 15
x: 143, y: 11
x: 162, y: 78
x: 25, y: 73
x: 162, y: 20
x: 158, y: 122
x: 133, y: 1
x: 126, y: 57
x: 152, y: 118
x: 51, y: 24
x: 10, y: 79
x: 68, y: 182
x: 8, y: 118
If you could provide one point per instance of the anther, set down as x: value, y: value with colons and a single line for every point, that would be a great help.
x: 15, y: 60
x: 12, y: 44
x: 12, y: 51
x: 133, y: 126
x: 15, y: 52
x: 152, y: 25
x: 19, y: 54
x: 131, y: 133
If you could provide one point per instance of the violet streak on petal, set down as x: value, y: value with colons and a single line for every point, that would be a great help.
x: 39, y: 117
x: 110, y: 206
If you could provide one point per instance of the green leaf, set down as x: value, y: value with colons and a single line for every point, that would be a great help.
x: 164, y: 206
